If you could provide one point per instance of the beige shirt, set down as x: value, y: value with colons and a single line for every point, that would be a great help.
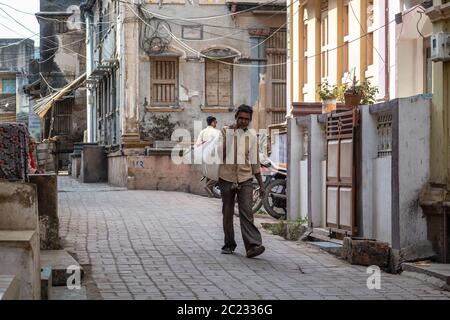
x: 240, y: 154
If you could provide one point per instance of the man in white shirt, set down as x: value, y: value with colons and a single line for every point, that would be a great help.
x: 206, y: 135
x: 209, y: 132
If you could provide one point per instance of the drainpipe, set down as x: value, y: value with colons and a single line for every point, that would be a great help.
x: 387, y: 52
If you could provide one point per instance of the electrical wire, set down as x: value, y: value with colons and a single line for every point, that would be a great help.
x: 228, y: 36
x: 198, y: 23
x: 366, y: 31
x: 276, y: 64
x: 211, y: 17
x: 46, y: 18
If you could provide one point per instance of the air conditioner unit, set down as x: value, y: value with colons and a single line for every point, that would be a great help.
x: 440, y: 47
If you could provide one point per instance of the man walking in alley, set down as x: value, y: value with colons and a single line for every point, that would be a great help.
x: 208, y: 133
x: 241, y: 163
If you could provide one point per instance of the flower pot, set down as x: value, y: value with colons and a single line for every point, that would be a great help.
x: 329, y: 105
x: 352, y: 100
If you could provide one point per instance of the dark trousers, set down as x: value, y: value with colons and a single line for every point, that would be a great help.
x: 250, y: 233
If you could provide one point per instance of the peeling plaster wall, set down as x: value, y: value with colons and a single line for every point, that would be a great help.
x: 192, y: 73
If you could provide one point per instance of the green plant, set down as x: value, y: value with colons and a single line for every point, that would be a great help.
x: 162, y: 128
x: 367, y: 91
x: 327, y: 91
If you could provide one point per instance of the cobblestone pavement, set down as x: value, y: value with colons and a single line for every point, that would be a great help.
x: 166, y: 245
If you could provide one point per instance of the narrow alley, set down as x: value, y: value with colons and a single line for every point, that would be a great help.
x: 166, y: 245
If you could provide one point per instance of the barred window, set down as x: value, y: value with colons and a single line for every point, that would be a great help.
x: 219, y: 83
x: 164, y: 82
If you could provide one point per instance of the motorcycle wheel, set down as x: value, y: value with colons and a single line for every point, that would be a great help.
x: 276, y: 188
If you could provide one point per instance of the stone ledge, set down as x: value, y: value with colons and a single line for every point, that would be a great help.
x: 16, y: 236
x: 366, y: 252
x: 9, y: 287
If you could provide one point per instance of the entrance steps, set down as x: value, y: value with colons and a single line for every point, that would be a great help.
x: 59, y: 261
x: 19, y: 256
x: 57, y: 266
x: 320, y: 239
x: 9, y: 288
x: 437, y: 274
x: 64, y: 293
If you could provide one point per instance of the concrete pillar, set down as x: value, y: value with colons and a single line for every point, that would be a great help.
x: 434, y: 198
x: 317, y: 143
x: 89, y: 68
x: 295, y: 147
x: 369, y: 152
x: 129, y: 52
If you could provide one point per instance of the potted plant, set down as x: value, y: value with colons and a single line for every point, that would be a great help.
x: 359, y: 93
x: 329, y: 95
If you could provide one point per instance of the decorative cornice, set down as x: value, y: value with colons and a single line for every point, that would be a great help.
x: 261, y: 32
x: 439, y: 13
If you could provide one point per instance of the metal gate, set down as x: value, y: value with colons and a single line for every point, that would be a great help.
x: 340, y: 182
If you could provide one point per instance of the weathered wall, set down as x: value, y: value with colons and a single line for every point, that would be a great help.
x: 16, y: 57
x: 19, y: 255
x: 117, y: 171
x: 369, y: 153
x: 192, y: 73
x: 382, y: 202
x: 414, y: 157
x: 63, y: 56
x: 94, y: 164
x: 158, y: 172
x: 47, y: 190
x: 18, y: 206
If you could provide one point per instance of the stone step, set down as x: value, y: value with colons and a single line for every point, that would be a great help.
x: 59, y: 261
x: 439, y: 271
x: 330, y: 247
x: 19, y: 252
x: 9, y: 287
x: 64, y: 293
x: 46, y: 283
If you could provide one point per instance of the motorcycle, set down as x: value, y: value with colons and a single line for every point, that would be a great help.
x: 275, y: 199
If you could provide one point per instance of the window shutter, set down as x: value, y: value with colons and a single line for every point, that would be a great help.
x: 219, y: 78
x: 225, y: 77
x: 212, y: 85
x: 164, y: 80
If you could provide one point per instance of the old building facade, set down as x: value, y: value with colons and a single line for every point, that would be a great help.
x: 56, y: 88
x: 15, y: 58
x: 151, y: 66
x: 348, y: 172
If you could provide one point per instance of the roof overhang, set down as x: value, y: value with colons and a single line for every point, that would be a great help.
x: 45, y: 104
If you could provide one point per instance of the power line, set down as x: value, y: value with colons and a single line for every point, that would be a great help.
x: 277, y: 64
x: 191, y: 22
x: 228, y: 35
x: 213, y: 17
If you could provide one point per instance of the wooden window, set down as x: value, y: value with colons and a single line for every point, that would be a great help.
x: 345, y: 64
x: 345, y: 20
x: 370, y: 13
x: 370, y: 49
x: 164, y: 82
x: 219, y: 83
x: 324, y: 24
x: 324, y: 64
x: 305, y: 54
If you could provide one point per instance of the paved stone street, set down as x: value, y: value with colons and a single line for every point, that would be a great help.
x: 165, y: 245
